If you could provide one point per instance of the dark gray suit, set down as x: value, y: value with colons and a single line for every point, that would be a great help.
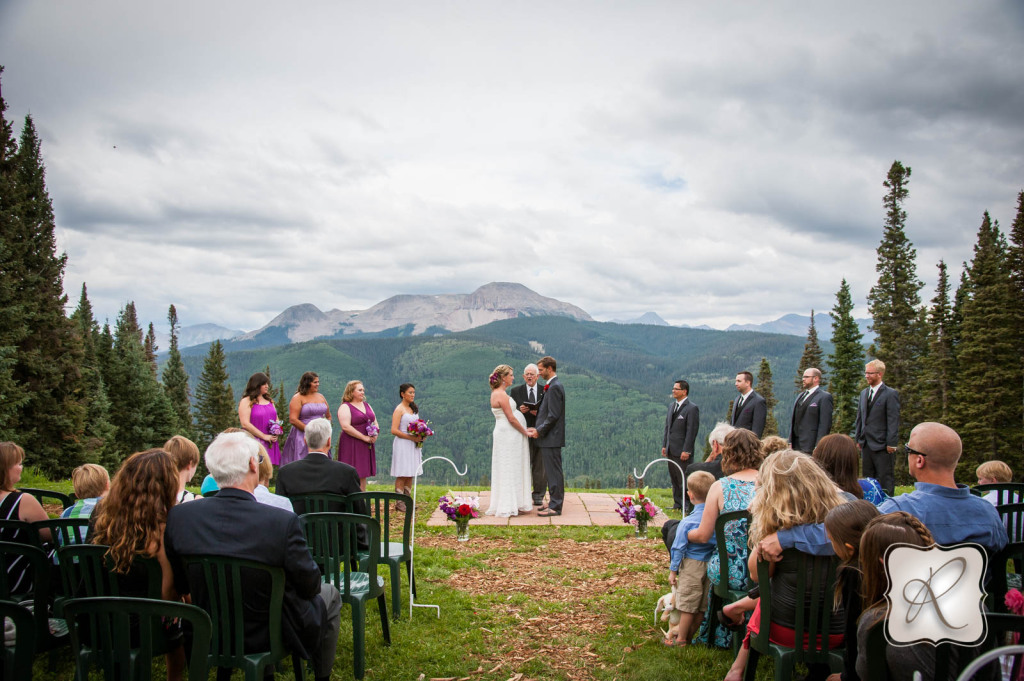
x: 521, y: 395
x: 811, y: 420
x: 680, y: 435
x: 551, y: 438
x: 878, y: 427
x: 752, y: 414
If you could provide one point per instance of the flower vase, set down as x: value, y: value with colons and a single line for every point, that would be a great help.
x: 462, y: 529
x: 641, y: 529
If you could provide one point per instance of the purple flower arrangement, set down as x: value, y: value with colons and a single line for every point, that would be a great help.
x: 457, y: 508
x: 372, y: 430
x: 421, y: 429
x: 637, y: 508
x: 275, y: 427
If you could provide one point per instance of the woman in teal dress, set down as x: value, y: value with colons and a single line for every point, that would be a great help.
x: 741, y: 457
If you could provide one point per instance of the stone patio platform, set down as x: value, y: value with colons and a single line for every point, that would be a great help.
x: 583, y: 508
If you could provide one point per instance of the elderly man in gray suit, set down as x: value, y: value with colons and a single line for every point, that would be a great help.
x: 878, y: 426
x: 550, y: 434
x: 812, y: 413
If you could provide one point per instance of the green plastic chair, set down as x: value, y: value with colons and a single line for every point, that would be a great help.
x: 24, y: 531
x: 39, y: 567
x: 63, y: 530
x: 814, y: 615
x: 394, y: 553
x: 124, y: 630
x: 17, y: 663
x: 45, y: 496
x: 318, y: 503
x: 223, y: 581
x: 87, y: 572
x: 1007, y: 492
x: 332, y: 543
x: 878, y: 667
x: 721, y: 595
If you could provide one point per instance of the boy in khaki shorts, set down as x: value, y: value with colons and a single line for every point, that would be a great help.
x: 688, y: 569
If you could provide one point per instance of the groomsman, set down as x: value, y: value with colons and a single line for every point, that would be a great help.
x: 680, y: 433
x: 878, y: 426
x: 528, y: 397
x: 750, y: 411
x: 812, y: 414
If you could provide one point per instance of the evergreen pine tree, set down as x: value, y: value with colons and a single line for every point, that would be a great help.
x: 956, y: 317
x: 766, y: 388
x: 145, y: 417
x: 47, y: 360
x: 14, y: 330
x: 99, y: 432
x: 987, y: 408
x: 813, y: 357
x: 1015, y: 261
x: 895, y: 301
x: 215, y: 401
x: 149, y: 346
x: 175, y: 381
x: 846, y: 362
x: 939, y: 364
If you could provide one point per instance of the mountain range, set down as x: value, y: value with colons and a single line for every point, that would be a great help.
x: 432, y: 315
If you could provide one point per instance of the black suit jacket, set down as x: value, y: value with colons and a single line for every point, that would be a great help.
x: 316, y: 474
x: 681, y: 431
x: 752, y: 415
x: 551, y: 416
x: 878, y: 426
x: 520, y: 395
x: 234, y: 524
x: 810, y: 421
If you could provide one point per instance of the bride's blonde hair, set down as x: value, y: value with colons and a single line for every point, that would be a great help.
x: 499, y: 373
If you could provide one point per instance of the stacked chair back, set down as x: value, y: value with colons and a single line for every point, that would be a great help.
x: 65, y: 531
x: 815, y: 590
x: 218, y: 584
x: 318, y: 503
x: 17, y: 659
x: 122, y: 632
x: 394, y: 550
x: 333, y: 543
x: 1006, y: 492
x: 45, y: 496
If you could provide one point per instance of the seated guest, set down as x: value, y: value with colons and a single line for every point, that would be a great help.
x: 950, y: 511
x: 262, y: 493
x: 773, y: 443
x: 234, y: 524
x: 991, y: 473
x: 880, y: 534
x: 186, y: 457
x: 17, y: 506
x: 792, y: 490
x: 713, y: 463
x: 209, y: 485
x: 130, y: 520
x: 837, y: 454
x: 317, y: 474
x: 91, y: 482
x: 740, y: 460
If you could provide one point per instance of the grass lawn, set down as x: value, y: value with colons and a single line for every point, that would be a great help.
x: 517, y: 603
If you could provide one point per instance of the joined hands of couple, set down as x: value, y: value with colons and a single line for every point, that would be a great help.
x: 532, y: 432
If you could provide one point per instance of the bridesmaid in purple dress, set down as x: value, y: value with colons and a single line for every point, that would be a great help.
x: 306, y: 404
x: 355, y: 447
x: 255, y: 412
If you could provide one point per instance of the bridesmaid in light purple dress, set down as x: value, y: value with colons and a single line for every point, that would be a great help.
x: 255, y: 412
x: 307, y: 404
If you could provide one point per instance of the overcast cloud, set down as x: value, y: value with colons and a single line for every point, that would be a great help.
x: 713, y: 162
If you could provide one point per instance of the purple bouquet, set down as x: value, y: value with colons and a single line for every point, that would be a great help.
x: 419, y: 428
x: 275, y: 427
x: 457, y: 508
x: 372, y: 430
x: 637, y: 508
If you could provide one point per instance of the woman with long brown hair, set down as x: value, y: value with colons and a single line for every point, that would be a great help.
x: 306, y: 404
x: 257, y: 414
x: 130, y: 520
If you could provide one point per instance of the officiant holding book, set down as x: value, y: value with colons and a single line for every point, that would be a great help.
x: 528, y: 396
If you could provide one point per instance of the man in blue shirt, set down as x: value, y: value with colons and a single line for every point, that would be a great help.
x: 948, y: 510
x: 688, y: 568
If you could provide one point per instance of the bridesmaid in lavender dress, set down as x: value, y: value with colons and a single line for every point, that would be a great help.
x: 306, y: 404
x: 356, y: 445
x: 255, y: 412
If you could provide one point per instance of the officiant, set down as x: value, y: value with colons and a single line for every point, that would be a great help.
x: 528, y: 397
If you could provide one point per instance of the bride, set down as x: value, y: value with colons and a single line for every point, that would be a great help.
x: 510, y: 456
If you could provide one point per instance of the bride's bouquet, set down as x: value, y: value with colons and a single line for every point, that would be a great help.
x: 637, y: 509
x: 420, y: 428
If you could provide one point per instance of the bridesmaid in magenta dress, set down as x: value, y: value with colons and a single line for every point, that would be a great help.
x: 356, y: 447
x: 256, y: 411
x: 306, y: 404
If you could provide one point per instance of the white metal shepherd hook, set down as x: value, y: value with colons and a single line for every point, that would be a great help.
x: 412, y: 542
x: 641, y: 476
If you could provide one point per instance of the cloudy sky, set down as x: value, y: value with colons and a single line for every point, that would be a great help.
x: 713, y: 162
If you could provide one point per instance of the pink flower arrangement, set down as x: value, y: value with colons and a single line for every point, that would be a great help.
x: 637, y: 508
x: 1014, y: 600
x: 419, y: 428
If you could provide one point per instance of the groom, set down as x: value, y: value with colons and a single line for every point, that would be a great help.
x: 550, y: 434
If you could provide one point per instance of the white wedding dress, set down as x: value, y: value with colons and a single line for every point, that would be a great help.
x: 510, y: 466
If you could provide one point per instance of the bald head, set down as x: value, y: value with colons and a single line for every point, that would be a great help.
x: 940, y: 443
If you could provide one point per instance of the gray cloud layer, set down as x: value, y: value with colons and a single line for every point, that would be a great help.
x: 715, y: 164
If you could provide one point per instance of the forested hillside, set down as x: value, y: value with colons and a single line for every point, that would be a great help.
x: 617, y: 379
